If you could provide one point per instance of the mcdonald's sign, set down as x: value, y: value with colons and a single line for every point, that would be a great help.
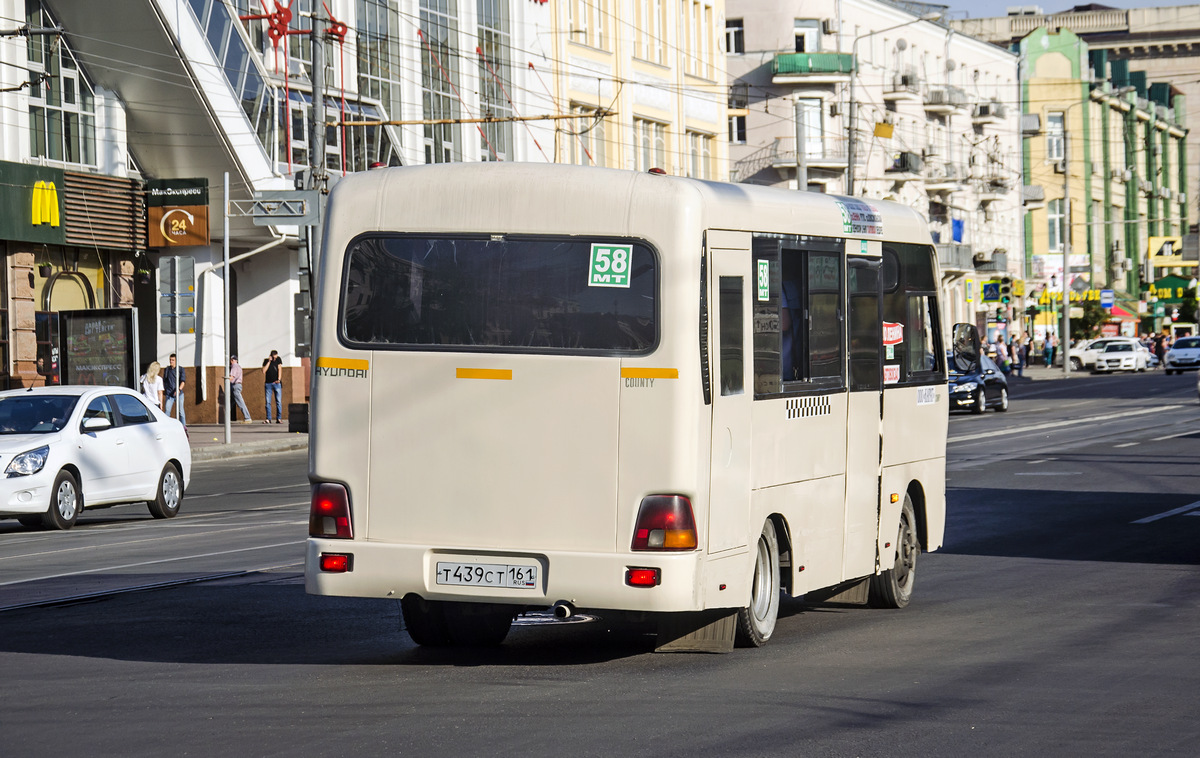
x: 31, y: 204
x: 45, y: 204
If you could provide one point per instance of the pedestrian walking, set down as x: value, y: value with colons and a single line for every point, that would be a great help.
x: 1002, y: 356
x: 1051, y: 350
x: 273, y: 386
x: 152, y: 385
x: 174, y: 379
x: 235, y: 389
x: 1160, y: 348
x: 1018, y: 356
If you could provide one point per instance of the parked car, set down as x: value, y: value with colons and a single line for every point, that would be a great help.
x: 1121, y: 356
x: 1084, y: 355
x: 67, y: 448
x: 977, y: 387
x: 1184, y: 355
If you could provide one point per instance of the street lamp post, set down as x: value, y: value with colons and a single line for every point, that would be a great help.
x: 853, y: 109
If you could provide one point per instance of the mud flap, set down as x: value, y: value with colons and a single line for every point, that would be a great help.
x: 702, y: 632
x: 855, y: 592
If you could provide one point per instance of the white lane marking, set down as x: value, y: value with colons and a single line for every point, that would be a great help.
x: 1047, y: 473
x: 1066, y: 423
x: 1128, y: 444
x: 151, y: 563
x: 1172, y: 436
x: 1175, y: 512
x: 248, y: 492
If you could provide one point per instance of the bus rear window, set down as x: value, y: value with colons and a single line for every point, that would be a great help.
x: 535, y: 294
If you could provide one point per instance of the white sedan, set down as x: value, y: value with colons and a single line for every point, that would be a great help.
x: 66, y: 448
x: 1184, y: 355
x: 1122, y: 356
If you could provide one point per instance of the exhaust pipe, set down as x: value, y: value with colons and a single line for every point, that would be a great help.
x: 563, y: 610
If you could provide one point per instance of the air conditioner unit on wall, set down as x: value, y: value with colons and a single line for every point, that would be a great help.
x: 828, y: 26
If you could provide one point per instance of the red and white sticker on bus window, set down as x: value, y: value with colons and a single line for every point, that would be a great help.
x: 893, y: 334
x: 891, y: 373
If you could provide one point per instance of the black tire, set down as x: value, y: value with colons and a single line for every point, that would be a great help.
x: 425, y: 621
x: 980, y: 404
x: 1003, y: 404
x: 33, y: 522
x: 1169, y: 372
x: 893, y: 588
x: 1076, y: 364
x: 478, y: 624
x: 756, y: 622
x: 65, y: 502
x: 170, y: 493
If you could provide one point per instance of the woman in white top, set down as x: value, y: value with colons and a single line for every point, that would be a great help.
x: 152, y: 385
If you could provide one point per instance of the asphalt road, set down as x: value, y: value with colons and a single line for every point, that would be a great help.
x: 1059, y: 619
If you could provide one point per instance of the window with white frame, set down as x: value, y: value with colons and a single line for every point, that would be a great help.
x: 439, y: 79
x: 495, y: 79
x: 699, y: 155
x: 735, y: 36
x: 378, y: 30
x: 650, y: 144
x: 649, y: 31
x: 588, y: 22
x: 1054, y: 226
x: 695, y: 35
x: 1055, y: 123
x: 62, y: 120
x: 737, y: 130
x: 808, y: 35
x: 588, y: 139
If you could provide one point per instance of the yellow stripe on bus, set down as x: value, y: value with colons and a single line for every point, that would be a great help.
x: 484, y: 373
x: 649, y: 373
x: 354, y: 364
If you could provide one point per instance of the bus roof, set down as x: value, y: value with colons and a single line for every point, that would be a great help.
x: 535, y: 198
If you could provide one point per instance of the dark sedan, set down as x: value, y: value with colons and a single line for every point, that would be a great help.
x: 977, y: 387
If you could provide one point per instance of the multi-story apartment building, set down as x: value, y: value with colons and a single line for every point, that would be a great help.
x: 1106, y: 168
x: 886, y: 104
x: 1164, y: 43
x: 103, y: 98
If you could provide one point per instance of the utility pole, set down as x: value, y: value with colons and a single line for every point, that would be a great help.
x: 801, y: 153
x: 1066, y: 287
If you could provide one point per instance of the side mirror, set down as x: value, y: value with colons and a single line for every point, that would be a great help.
x: 96, y: 424
x: 966, y: 348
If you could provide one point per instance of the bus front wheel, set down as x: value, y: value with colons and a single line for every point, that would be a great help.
x: 756, y: 622
x: 893, y: 588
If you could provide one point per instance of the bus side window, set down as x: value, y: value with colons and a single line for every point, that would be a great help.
x: 866, y: 335
x: 732, y: 350
x: 911, y: 302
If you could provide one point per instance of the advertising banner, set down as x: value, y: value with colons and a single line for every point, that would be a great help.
x: 99, y: 347
x: 177, y: 212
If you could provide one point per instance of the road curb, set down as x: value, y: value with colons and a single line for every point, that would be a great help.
x: 219, y: 452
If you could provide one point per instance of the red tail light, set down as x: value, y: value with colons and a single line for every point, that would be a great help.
x: 642, y: 577
x: 665, y: 522
x: 329, y: 515
x: 337, y: 563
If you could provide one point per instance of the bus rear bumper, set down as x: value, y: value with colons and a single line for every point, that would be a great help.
x: 585, y: 580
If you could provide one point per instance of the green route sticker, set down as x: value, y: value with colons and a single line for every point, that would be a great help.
x: 610, y: 265
x: 764, y: 280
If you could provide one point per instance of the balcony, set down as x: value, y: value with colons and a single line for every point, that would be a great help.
x: 953, y: 257
x: 811, y: 68
x: 1033, y: 196
x: 827, y: 157
x: 989, y: 113
x: 903, y: 86
x: 906, y: 167
x: 997, y: 262
x: 942, y: 176
x: 993, y: 189
x: 944, y: 100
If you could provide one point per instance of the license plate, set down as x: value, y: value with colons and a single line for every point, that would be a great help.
x: 487, y: 575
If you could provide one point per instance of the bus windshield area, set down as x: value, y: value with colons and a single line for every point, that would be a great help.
x: 528, y: 294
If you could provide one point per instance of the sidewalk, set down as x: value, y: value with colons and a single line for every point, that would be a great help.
x: 208, y: 440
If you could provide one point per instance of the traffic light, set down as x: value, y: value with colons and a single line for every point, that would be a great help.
x: 1006, y: 289
x: 1032, y: 311
x: 999, y: 314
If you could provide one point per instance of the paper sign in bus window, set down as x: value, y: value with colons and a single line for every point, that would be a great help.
x: 610, y: 266
x: 764, y: 280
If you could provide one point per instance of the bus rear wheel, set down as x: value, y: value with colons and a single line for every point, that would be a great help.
x: 893, y: 588
x: 756, y: 622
